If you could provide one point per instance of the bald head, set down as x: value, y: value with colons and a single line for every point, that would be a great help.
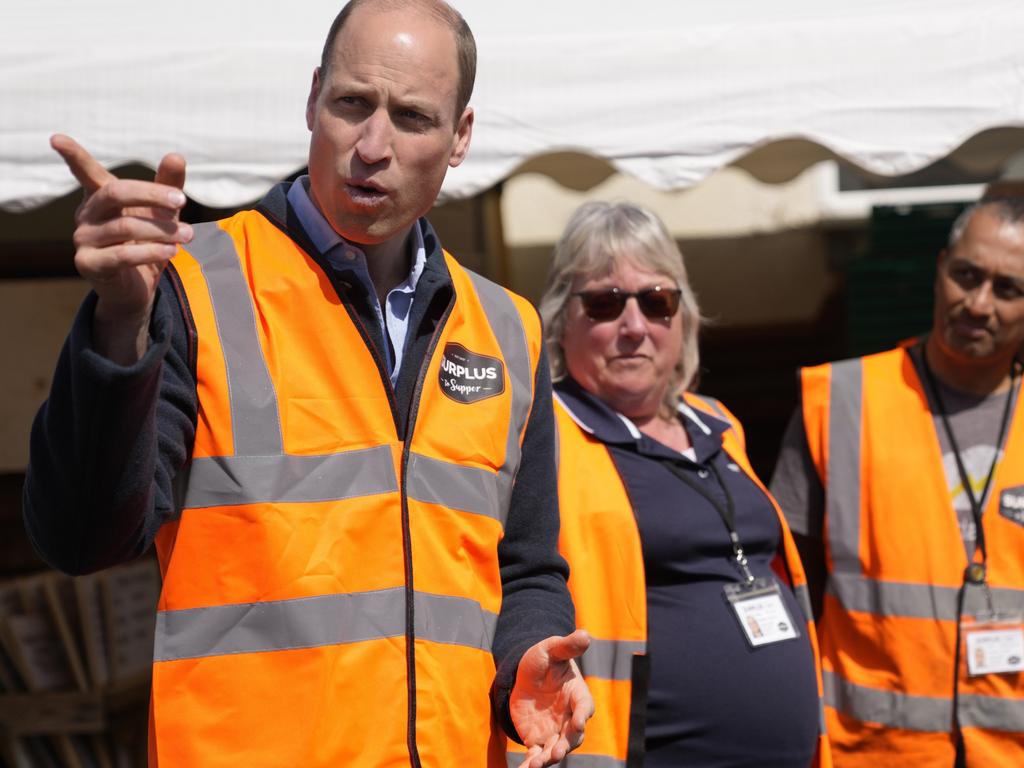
x: 465, y: 44
x: 1005, y: 209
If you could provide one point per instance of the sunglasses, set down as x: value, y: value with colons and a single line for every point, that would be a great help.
x: 656, y: 303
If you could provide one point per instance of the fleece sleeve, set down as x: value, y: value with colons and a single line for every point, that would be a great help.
x: 536, y: 602
x: 107, y: 444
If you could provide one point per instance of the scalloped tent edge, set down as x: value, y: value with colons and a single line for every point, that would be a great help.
x: 984, y: 154
x: 664, y: 91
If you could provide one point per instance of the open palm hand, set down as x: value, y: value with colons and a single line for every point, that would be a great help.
x: 550, y: 702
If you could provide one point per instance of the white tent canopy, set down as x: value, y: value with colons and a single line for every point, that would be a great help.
x: 665, y: 90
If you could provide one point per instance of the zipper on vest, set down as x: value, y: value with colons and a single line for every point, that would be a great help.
x: 410, y: 592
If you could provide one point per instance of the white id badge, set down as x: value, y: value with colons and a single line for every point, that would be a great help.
x: 761, y: 613
x: 994, y: 644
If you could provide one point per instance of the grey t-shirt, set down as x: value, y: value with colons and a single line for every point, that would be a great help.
x: 975, y: 421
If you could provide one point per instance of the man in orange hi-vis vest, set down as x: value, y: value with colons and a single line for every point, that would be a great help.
x: 340, y: 441
x: 902, y: 476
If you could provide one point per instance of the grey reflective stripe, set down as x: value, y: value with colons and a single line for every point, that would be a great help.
x: 255, y: 422
x: 921, y: 713
x: 991, y: 713
x: 573, y: 760
x: 1004, y: 600
x: 454, y: 621
x: 232, y: 480
x: 890, y: 708
x: 803, y: 597
x: 469, y: 489
x: 611, y: 659
x: 889, y: 598
x: 715, y: 406
x: 508, y: 329
x: 311, y: 622
x: 919, y: 601
x: 842, y: 486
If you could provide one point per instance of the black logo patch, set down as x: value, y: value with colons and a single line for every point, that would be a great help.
x: 467, y: 377
x: 1011, y: 504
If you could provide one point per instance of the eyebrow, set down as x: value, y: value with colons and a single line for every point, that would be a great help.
x: 355, y: 87
x: 964, y: 261
x: 417, y: 105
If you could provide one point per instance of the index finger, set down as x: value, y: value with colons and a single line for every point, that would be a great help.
x: 83, y: 166
x: 113, y: 199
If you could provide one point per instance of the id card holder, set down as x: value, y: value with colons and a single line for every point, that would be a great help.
x: 994, y: 643
x: 761, y: 612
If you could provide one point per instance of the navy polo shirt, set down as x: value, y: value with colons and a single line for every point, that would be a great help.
x: 713, y: 700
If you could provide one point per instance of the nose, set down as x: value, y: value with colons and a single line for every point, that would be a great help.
x: 375, y: 135
x: 632, y: 322
x: 980, y: 300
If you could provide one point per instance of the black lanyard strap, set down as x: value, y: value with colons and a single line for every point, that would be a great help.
x: 726, y: 512
x: 975, y: 574
x: 975, y: 571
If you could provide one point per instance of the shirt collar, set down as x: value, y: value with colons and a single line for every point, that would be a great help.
x: 324, y: 238
x: 419, y: 260
x: 597, y: 418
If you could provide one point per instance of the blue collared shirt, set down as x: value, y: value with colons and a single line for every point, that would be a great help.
x: 341, y: 254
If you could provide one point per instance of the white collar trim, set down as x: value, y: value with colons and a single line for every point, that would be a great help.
x: 572, y: 415
x: 691, y: 414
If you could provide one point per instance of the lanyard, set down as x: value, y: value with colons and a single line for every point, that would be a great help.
x: 975, y: 571
x: 727, y: 512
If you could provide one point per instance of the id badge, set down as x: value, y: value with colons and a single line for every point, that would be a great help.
x: 994, y: 644
x: 762, y: 614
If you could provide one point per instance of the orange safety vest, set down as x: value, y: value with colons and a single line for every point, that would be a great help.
x: 599, y: 538
x: 896, y: 564
x: 331, y: 593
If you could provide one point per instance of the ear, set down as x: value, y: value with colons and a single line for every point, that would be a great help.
x: 314, y: 92
x: 463, y: 133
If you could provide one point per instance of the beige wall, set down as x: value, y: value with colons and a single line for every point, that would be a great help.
x: 35, y: 316
x: 756, y: 252
x: 729, y: 203
x: 757, y: 280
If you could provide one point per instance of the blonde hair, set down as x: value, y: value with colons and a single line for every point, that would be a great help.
x: 598, y: 236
